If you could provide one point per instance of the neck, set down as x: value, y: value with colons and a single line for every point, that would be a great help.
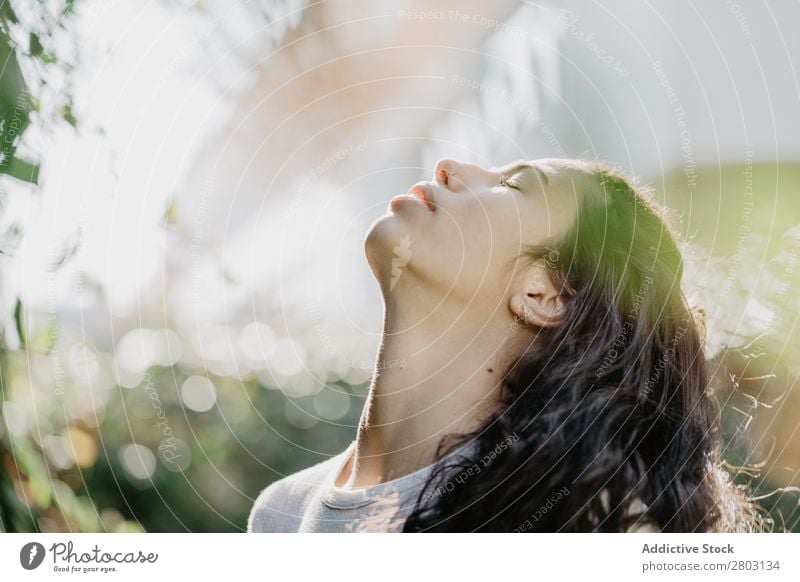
x: 439, y: 370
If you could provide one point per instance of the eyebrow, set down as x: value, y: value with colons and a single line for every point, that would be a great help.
x: 522, y: 164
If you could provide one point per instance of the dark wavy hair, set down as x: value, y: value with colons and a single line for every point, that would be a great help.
x: 607, y: 422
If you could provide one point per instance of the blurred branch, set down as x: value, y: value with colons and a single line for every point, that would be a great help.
x: 22, y: 464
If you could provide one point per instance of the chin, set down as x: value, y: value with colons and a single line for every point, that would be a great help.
x: 382, y: 235
x: 389, y: 238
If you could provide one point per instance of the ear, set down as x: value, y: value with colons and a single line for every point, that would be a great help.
x: 537, y: 301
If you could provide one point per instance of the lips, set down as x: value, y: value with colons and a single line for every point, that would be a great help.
x: 424, y: 193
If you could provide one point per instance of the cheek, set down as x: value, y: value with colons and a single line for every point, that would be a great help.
x: 469, y: 247
x: 452, y: 253
x: 483, y: 241
x: 502, y: 232
x: 469, y: 235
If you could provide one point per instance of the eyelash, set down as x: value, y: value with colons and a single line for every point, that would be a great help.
x: 506, y: 183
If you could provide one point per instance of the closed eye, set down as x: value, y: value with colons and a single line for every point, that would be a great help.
x: 505, y: 182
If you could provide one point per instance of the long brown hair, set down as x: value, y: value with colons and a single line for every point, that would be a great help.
x: 606, y: 421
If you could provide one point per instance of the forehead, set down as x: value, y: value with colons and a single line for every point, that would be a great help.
x: 554, y: 208
x: 575, y: 176
x: 560, y: 178
x: 550, y: 167
x: 561, y: 165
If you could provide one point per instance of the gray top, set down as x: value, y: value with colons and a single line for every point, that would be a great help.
x: 308, y: 501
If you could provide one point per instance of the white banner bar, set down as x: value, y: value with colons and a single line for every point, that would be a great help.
x: 407, y: 557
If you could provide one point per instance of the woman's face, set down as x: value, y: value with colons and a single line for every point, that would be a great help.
x: 459, y: 232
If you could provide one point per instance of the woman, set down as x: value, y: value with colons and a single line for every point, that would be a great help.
x: 553, y: 376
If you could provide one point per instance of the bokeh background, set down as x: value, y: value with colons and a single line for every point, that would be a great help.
x: 185, y: 186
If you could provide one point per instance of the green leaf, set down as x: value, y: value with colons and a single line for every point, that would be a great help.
x: 69, y: 116
x: 37, y: 50
x: 19, y: 323
x: 15, y: 99
x: 6, y: 12
x: 34, y: 44
x: 21, y: 170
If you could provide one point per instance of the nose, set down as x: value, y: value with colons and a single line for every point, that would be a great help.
x: 446, y: 173
x: 456, y: 176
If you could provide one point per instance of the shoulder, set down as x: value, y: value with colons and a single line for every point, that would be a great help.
x: 280, y: 506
